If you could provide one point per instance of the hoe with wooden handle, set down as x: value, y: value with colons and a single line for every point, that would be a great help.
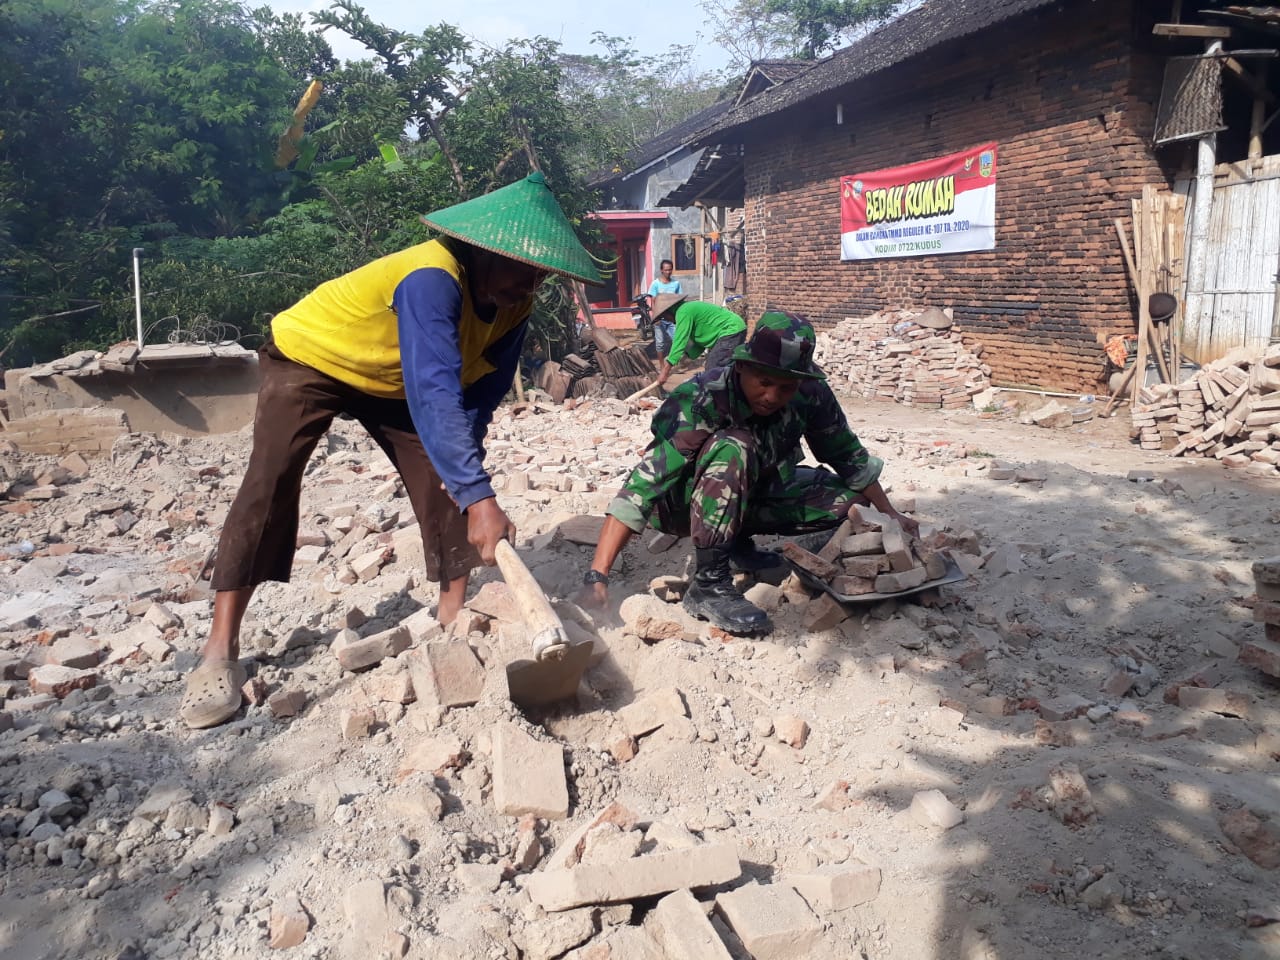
x: 558, y: 663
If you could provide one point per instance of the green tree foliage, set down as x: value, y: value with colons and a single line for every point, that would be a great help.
x: 822, y: 25
x: 421, y: 69
x: 167, y: 115
x: 752, y: 30
x: 122, y: 124
x: 515, y: 119
x: 627, y: 100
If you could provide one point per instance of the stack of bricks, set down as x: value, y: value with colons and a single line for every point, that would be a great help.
x: 1154, y: 423
x: 889, y: 356
x: 1229, y: 410
x: 871, y: 553
x: 1265, y: 653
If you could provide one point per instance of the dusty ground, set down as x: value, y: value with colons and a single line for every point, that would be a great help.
x: 1092, y: 575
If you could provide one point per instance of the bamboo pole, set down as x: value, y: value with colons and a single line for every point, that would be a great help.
x: 1140, y: 362
x: 1257, y: 120
x: 1149, y: 339
x: 1149, y: 266
x: 1128, y: 374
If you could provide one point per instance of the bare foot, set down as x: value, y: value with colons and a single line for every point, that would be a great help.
x: 453, y: 595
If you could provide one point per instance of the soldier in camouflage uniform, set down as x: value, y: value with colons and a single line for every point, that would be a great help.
x: 724, y: 464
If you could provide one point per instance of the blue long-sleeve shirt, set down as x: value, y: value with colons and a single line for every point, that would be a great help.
x: 404, y: 327
x: 451, y: 419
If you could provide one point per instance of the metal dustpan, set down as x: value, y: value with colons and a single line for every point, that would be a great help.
x: 953, y: 575
x: 558, y: 663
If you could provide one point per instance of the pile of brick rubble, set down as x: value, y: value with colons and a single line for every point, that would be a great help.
x: 1230, y: 410
x: 916, y: 359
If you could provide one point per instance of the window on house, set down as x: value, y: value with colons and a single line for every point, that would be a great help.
x: 684, y: 252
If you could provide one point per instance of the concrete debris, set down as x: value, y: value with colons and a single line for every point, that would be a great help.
x: 931, y: 808
x: 837, y: 886
x: 399, y: 812
x: 646, y: 876
x: 773, y: 922
x: 1052, y: 415
x: 289, y: 923
x: 681, y: 929
x: 528, y: 775
x: 652, y: 711
x: 553, y: 936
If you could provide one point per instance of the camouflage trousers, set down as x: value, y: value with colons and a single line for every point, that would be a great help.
x: 731, y: 494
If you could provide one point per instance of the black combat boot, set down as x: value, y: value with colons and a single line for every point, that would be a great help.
x: 746, y: 557
x: 712, y: 595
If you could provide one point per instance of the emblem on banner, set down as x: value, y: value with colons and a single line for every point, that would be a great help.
x: 986, y: 163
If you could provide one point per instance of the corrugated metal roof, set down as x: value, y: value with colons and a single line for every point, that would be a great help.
x: 664, y: 143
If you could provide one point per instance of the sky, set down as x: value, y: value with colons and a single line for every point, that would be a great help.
x: 653, y: 26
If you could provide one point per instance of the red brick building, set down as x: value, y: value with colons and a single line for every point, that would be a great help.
x: 1067, y: 89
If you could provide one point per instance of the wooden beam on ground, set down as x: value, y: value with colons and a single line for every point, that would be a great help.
x: 641, y: 392
x: 1202, y: 31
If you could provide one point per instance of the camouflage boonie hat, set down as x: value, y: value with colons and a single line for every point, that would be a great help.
x: 783, y: 343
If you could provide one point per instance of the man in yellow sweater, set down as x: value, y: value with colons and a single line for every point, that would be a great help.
x: 420, y: 347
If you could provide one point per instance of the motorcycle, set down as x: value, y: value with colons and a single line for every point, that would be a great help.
x: 642, y: 317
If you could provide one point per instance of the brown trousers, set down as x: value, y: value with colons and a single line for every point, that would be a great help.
x: 296, y: 405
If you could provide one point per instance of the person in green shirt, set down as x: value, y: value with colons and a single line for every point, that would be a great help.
x: 700, y: 328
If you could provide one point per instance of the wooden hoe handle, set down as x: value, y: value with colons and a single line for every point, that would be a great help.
x: 540, y: 620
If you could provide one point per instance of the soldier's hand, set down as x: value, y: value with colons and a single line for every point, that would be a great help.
x: 909, y: 526
x: 486, y: 525
x: 593, y: 596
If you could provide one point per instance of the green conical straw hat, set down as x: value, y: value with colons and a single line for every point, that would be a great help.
x: 522, y: 221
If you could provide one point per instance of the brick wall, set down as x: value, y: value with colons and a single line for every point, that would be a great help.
x: 1069, y: 97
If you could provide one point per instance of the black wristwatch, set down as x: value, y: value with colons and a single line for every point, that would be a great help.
x: 595, y: 576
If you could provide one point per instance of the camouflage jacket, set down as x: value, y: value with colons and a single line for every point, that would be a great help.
x: 712, y: 401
